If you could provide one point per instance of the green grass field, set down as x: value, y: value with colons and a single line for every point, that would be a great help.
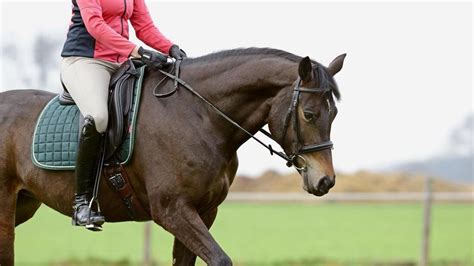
x: 268, y: 234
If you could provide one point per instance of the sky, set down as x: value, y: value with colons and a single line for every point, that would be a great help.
x: 406, y: 82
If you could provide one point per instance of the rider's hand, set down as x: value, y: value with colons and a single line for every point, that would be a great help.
x: 152, y: 59
x: 177, y: 53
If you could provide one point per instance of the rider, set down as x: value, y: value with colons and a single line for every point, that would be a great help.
x: 97, y: 43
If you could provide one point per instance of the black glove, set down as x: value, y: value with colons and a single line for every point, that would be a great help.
x: 177, y: 53
x: 152, y: 59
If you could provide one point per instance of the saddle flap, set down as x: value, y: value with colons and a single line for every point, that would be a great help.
x: 120, y: 105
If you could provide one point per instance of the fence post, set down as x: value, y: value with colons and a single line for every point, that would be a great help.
x: 147, y: 259
x: 425, y: 241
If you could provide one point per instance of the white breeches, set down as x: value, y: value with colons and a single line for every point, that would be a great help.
x: 87, y: 80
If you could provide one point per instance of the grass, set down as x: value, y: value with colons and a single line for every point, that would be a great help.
x: 268, y: 234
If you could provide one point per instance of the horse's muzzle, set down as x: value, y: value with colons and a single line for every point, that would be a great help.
x: 323, y: 186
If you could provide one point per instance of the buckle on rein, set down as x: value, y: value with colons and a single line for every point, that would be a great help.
x: 290, y: 160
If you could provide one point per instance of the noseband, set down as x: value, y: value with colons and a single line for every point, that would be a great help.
x: 292, y: 114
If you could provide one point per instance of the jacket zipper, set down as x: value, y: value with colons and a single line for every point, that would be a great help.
x: 121, y: 22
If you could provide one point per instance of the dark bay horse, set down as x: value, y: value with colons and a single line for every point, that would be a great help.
x: 185, y: 154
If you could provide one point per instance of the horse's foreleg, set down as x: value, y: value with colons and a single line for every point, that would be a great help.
x: 184, y: 222
x: 182, y: 256
x: 7, y: 224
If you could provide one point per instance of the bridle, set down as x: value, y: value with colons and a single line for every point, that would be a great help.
x: 292, y: 114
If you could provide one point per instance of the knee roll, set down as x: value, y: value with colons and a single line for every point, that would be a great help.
x: 100, y: 121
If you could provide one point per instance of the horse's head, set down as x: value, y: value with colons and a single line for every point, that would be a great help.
x: 301, y: 123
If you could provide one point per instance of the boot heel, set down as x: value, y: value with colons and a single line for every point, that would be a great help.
x: 94, y: 227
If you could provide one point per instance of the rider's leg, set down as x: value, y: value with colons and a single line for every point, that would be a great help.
x: 87, y: 80
x: 88, y: 155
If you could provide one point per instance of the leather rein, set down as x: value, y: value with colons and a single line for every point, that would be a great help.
x: 292, y: 115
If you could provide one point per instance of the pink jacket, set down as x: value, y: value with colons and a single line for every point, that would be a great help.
x: 99, y: 29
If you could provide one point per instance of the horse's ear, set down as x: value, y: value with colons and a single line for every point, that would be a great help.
x: 305, y: 69
x: 336, y: 65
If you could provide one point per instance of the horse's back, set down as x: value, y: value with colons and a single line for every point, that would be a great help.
x: 21, y: 107
x: 19, y: 110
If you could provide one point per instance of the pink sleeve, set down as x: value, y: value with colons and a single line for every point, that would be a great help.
x: 91, y: 13
x: 145, y: 29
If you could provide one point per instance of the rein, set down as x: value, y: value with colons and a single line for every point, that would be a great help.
x: 292, y: 113
x: 175, y: 88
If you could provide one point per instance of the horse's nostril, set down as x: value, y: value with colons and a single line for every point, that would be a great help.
x: 322, y: 183
x: 326, y: 183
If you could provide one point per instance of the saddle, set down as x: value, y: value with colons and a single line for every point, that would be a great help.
x: 119, y: 104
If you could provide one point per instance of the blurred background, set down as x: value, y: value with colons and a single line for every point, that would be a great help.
x: 404, y: 128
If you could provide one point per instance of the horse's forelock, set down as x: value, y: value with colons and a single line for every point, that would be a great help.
x: 326, y: 80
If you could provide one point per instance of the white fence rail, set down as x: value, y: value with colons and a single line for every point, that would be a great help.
x: 353, y: 196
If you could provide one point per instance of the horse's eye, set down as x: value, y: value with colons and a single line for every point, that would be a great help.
x: 308, y: 116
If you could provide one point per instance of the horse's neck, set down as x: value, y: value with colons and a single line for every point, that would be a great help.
x: 246, y: 93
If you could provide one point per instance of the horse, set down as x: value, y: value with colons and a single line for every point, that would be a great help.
x: 185, y: 152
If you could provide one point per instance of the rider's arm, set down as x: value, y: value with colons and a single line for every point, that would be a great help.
x: 91, y: 13
x: 145, y: 30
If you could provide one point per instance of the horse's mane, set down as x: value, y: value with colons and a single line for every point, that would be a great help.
x: 245, y: 52
x: 325, y: 79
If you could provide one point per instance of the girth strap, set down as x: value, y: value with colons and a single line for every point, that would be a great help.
x: 118, y: 180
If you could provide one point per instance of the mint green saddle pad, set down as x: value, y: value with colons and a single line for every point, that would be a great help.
x: 56, y: 134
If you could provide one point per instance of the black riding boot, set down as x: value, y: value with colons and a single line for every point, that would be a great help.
x: 88, y: 155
